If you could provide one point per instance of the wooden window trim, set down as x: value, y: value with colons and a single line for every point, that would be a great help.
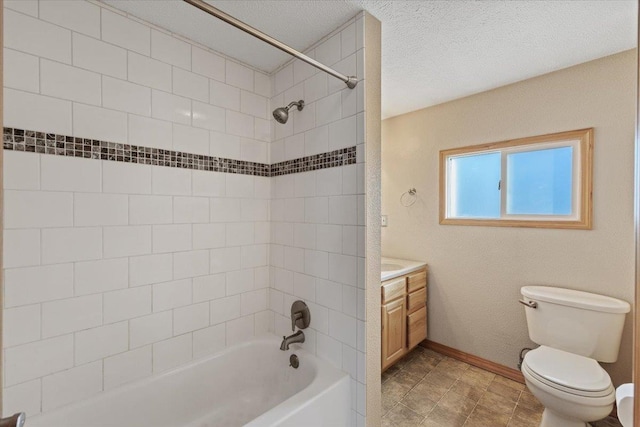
x: 585, y: 214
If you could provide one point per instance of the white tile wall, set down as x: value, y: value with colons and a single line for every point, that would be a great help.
x: 67, y: 82
x: 190, y: 85
x: 315, y: 223
x: 37, y: 37
x: 126, y: 367
x: 21, y: 71
x: 124, y: 32
x: 169, y: 49
x: 124, y: 96
x: 32, y: 111
x: 22, y: 325
x: 71, y: 385
x: 29, y: 7
x: 99, y: 56
x: 99, y: 123
x: 85, y: 53
x: 78, y: 16
x: 94, y: 277
x: 90, y: 209
x: 116, y: 271
x: 208, y: 64
x: 149, y: 72
x: 98, y: 343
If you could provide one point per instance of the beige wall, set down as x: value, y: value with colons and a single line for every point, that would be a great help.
x: 476, y: 272
x: 373, y: 107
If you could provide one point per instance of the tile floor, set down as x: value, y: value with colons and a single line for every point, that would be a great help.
x: 428, y: 389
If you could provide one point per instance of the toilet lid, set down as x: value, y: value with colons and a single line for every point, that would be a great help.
x: 567, y: 371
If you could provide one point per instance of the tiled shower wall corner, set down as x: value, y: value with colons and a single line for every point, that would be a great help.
x: 317, y: 251
x: 115, y: 271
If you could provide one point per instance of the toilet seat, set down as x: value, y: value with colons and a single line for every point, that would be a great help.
x: 568, y: 372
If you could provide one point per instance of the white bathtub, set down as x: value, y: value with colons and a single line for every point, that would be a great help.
x: 249, y: 384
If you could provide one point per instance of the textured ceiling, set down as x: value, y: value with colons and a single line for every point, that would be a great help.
x: 433, y: 51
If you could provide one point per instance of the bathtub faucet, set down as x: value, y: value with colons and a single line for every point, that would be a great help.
x: 297, y: 337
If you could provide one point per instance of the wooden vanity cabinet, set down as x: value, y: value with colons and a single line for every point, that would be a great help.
x: 404, y: 315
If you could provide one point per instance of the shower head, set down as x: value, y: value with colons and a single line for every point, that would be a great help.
x: 281, y: 114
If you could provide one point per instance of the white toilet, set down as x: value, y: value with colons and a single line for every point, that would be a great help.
x: 575, y: 330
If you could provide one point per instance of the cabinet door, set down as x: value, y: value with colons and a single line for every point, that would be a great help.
x: 394, y: 332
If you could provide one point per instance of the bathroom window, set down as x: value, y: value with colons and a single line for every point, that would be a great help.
x: 542, y: 181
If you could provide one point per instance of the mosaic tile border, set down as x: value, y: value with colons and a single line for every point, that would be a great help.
x: 63, y: 145
x: 341, y: 157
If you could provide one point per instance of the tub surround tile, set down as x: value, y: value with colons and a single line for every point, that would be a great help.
x: 71, y: 315
x: 127, y: 304
x: 97, y: 209
x: 239, y: 76
x: 125, y: 32
x: 35, y: 209
x: 209, y: 340
x: 149, y: 269
x: 170, y: 50
x: 172, y: 352
x: 72, y: 385
x: 21, y: 171
x: 101, y: 123
x: 186, y: 167
x: 126, y: 240
x: 37, y: 359
x: 95, y: 55
x: 21, y: 71
x: 28, y: 7
x: 29, y: 110
x: 61, y: 245
x: 150, y: 210
x: 25, y: 397
x: 150, y: 329
x: 190, y: 85
x: 190, y: 318
x: 99, y: 343
x: 148, y: 72
x: 38, y: 284
x: 208, y: 64
x: 124, y: 96
x: 95, y: 277
x: 127, y: 367
x: 37, y: 37
x: 21, y: 325
x: 81, y: 17
x: 171, y: 295
x: 68, y: 82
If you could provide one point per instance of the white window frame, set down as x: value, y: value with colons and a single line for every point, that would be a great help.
x: 582, y: 193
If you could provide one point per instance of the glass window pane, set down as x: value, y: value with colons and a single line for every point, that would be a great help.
x: 473, y: 187
x: 539, y: 182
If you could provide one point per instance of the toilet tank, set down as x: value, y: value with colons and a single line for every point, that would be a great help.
x: 578, y: 322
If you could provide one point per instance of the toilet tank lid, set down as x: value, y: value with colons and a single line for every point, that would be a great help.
x: 573, y: 298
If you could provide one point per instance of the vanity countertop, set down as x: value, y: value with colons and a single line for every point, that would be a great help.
x: 394, y: 267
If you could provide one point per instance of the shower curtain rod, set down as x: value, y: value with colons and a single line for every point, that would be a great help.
x: 351, y: 81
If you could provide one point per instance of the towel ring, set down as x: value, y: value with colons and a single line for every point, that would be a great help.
x: 408, y: 198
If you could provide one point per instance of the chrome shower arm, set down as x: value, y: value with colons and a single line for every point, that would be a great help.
x: 299, y: 104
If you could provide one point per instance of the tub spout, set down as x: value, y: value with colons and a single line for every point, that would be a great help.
x: 297, y: 337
